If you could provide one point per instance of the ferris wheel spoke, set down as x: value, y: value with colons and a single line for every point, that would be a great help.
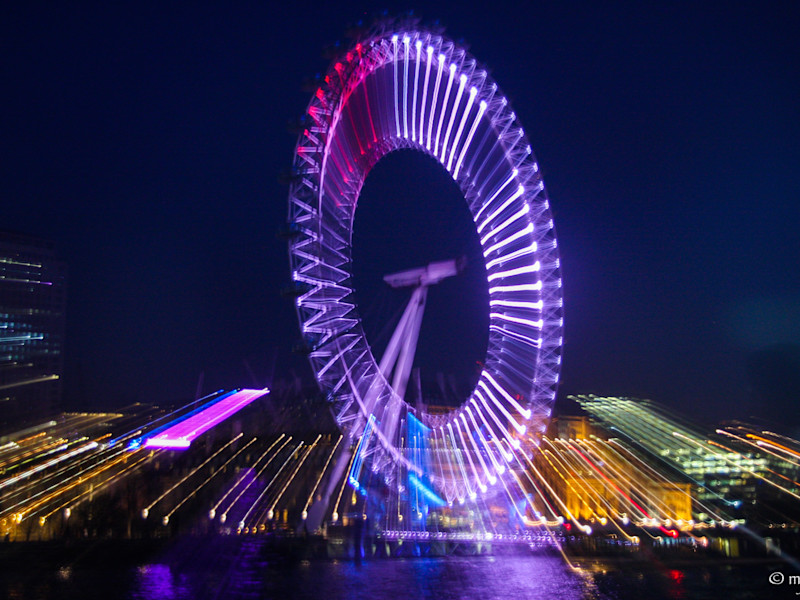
x: 428, y: 63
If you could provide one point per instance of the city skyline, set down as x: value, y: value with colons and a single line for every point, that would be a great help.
x: 149, y: 145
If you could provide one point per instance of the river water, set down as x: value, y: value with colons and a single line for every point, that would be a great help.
x: 251, y: 575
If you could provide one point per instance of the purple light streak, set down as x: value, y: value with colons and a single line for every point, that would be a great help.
x: 181, y: 435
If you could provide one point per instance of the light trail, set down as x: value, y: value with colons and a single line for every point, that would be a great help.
x: 209, y: 478
x: 490, y: 479
x: 418, y: 47
x: 758, y: 475
x: 99, y: 457
x: 760, y: 446
x: 434, y: 100
x: 611, y: 483
x: 192, y: 472
x: 396, y: 92
x: 442, y: 114
x: 224, y: 515
x: 269, y: 485
x: 462, y: 469
x: 428, y: 62
x: 520, y: 428
x: 44, y: 450
x: 481, y: 486
x: 654, y: 502
x: 574, y: 476
x: 335, y: 515
x: 406, y: 52
x: 618, y: 464
x: 498, y: 467
x: 553, y: 495
x: 272, y: 506
x: 775, y: 445
x: 72, y: 504
x: 739, y: 465
x: 633, y: 456
x: 470, y: 101
x: 49, y: 463
x: 11, y: 447
x: 182, y: 434
x: 59, y: 482
x: 138, y: 430
x: 213, y: 511
x: 63, y: 489
x: 304, y: 513
x: 462, y: 81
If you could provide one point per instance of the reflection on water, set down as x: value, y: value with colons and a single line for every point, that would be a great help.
x: 199, y: 572
x: 441, y: 578
x: 158, y: 581
x: 451, y: 578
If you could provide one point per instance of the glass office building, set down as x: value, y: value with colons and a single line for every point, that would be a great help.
x: 32, y: 322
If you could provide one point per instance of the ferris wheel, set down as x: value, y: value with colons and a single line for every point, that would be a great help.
x: 404, y: 87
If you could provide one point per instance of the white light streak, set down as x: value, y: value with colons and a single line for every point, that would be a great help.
x: 434, y: 99
x: 488, y: 203
x: 519, y: 427
x: 501, y: 208
x: 481, y: 109
x: 534, y: 268
x: 457, y: 452
x: 269, y: 485
x: 535, y: 324
x: 444, y: 108
x: 470, y: 101
x: 495, y: 439
x: 518, y: 304
x: 192, y: 472
x: 462, y: 81
x: 525, y: 412
x: 498, y: 467
x: 255, y: 478
x: 406, y: 41
x: 49, y: 463
x: 505, y: 242
x: 396, y: 85
x: 516, y: 254
x: 481, y: 485
x: 418, y: 47
x: 523, y: 287
x: 512, y: 219
x: 429, y: 52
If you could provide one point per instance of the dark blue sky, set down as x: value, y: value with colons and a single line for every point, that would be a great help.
x: 148, y: 141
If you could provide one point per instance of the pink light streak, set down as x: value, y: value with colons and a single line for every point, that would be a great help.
x: 181, y: 435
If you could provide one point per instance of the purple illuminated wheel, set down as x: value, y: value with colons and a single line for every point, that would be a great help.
x: 408, y: 88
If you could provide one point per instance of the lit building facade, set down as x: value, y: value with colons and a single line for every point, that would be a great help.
x: 32, y: 323
x: 596, y: 479
x: 737, y: 472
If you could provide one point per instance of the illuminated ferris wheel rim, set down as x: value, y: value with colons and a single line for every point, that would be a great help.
x: 409, y: 88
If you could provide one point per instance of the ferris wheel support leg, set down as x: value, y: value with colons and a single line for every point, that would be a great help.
x: 408, y: 335
x: 389, y: 358
x: 406, y: 359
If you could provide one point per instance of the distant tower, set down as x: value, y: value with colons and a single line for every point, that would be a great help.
x: 32, y: 322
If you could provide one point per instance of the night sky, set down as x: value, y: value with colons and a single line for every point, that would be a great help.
x: 149, y: 142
